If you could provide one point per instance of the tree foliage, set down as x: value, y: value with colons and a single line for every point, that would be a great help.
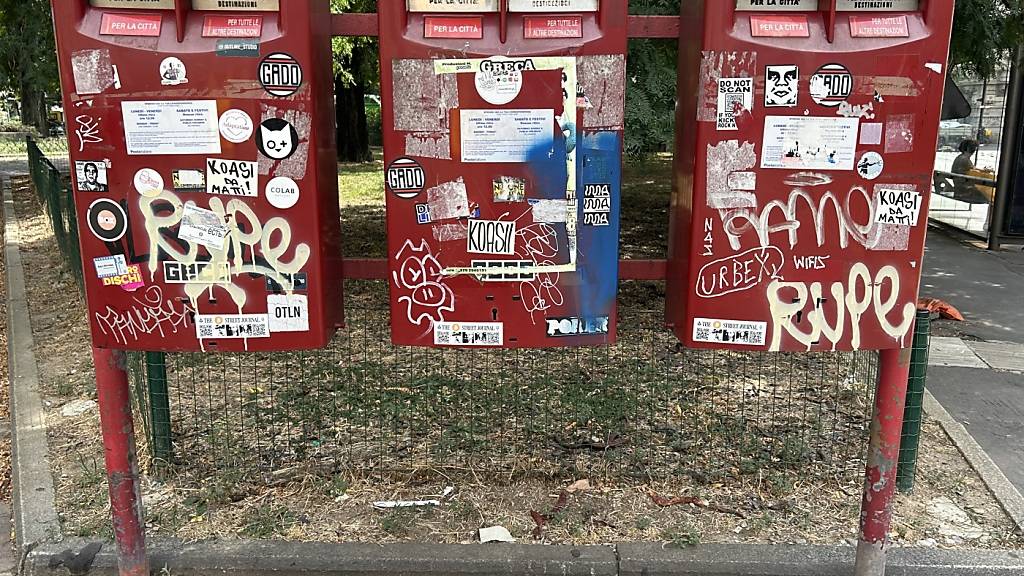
x: 28, y: 63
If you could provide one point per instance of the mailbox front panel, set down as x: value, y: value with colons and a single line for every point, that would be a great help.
x: 801, y: 223
x: 503, y: 144
x: 204, y: 172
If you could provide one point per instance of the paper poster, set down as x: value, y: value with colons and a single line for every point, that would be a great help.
x: 492, y: 237
x: 203, y: 227
x: 231, y: 177
x: 232, y: 326
x: 901, y: 207
x: 469, y: 334
x: 809, y: 143
x: 509, y: 189
x: 171, y: 127
x: 729, y: 331
x: 506, y: 135
x: 735, y: 95
x: 91, y: 176
x: 110, y: 266
x: 288, y: 312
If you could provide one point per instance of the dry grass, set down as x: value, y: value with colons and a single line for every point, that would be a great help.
x: 5, y: 412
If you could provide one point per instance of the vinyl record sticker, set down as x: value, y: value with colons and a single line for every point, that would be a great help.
x: 107, y: 220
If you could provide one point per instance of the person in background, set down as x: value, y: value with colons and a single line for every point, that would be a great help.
x: 963, y: 189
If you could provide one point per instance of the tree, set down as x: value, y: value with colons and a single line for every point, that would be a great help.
x: 356, y: 72
x: 28, y: 62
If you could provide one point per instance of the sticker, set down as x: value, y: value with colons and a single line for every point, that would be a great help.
x: 298, y: 282
x: 449, y: 200
x: 809, y: 143
x: 831, y: 85
x: 423, y: 214
x: 234, y: 5
x: 278, y: 139
x: 232, y: 326
x: 217, y: 26
x: 280, y: 74
x: 879, y: 26
x: 107, y: 220
x: 899, y: 133
x: 110, y: 266
x: 130, y: 281
x: 509, y: 189
x: 178, y: 127
x: 152, y: 4
x: 562, y: 327
x: 879, y: 5
x: 203, y: 227
x: 288, y: 312
x: 776, y: 6
x: 188, y: 179
x: 553, y: 5
x: 543, y: 27
x: 780, y: 27
x: 495, y: 136
x: 172, y: 72
x: 897, y: 207
x: 500, y: 80
x: 468, y: 27
x: 91, y: 176
x: 236, y: 126
x: 492, y: 237
x: 452, y: 5
x: 238, y: 48
x: 551, y: 211
x: 149, y: 183
x: 469, y: 333
x: 114, y: 24
x: 871, y: 133
x: 282, y: 192
x: 93, y: 71
x: 597, y: 204
x: 405, y: 178
x: 729, y: 332
x: 197, y: 273
x: 781, y: 86
x: 504, y: 270
x: 871, y: 165
x: 735, y: 96
x: 231, y: 177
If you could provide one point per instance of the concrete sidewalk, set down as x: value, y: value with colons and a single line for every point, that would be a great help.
x: 977, y: 367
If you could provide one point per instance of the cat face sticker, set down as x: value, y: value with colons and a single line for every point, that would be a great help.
x: 277, y: 139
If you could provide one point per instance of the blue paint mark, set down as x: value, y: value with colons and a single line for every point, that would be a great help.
x: 600, y: 169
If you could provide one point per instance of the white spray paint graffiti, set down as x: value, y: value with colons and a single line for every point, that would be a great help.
x: 419, y: 277
x: 787, y: 311
x: 88, y: 131
x: 151, y: 314
x: 538, y: 243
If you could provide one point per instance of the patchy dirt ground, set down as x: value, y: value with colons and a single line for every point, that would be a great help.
x: 766, y: 503
x: 5, y: 412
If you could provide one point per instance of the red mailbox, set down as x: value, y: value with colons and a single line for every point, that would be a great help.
x: 204, y: 171
x: 803, y: 172
x: 503, y: 146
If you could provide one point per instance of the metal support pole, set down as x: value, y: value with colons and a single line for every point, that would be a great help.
x: 1008, y: 150
x: 883, y: 455
x: 912, y: 415
x: 122, y: 466
x: 159, y: 407
x: 981, y: 117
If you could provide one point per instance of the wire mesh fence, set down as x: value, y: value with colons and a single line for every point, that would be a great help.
x: 51, y: 180
x: 644, y: 407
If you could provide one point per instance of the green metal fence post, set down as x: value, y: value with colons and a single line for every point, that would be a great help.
x: 159, y: 406
x: 912, y: 414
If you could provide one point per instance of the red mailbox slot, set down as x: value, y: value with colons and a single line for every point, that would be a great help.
x: 803, y: 171
x: 503, y: 145
x: 204, y: 171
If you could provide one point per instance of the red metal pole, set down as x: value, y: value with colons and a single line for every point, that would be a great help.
x: 122, y: 465
x: 883, y: 456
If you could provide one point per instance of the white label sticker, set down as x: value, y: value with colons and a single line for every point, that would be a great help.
x: 236, y: 5
x: 236, y: 126
x: 871, y: 165
x: 500, y: 80
x: 142, y: 4
x: 189, y: 179
x: 901, y: 207
x: 173, y: 72
x: 736, y: 332
x: 878, y: 5
x: 288, y: 312
x: 553, y: 5
x: 735, y: 96
x: 809, y: 143
x: 203, y: 227
x: 492, y: 237
x: 452, y: 5
x: 171, y: 127
x: 232, y: 326
x: 781, y: 86
x: 506, y: 135
x: 469, y: 334
x: 775, y: 5
x: 110, y: 266
x: 231, y: 177
x: 149, y: 183
x: 831, y: 85
x: 282, y: 193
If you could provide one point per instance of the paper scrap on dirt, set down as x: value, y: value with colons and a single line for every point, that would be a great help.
x: 390, y: 504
